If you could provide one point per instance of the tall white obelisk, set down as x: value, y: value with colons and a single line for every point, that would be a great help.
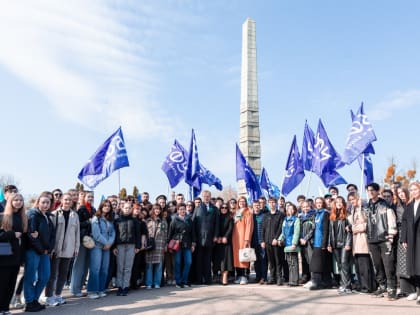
x: 249, y: 138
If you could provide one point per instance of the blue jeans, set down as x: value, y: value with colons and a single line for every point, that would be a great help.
x: 98, y: 269
x: 37, y: 273
x: 80, y: 269
x: 184, y: 255
x: 153, y: 271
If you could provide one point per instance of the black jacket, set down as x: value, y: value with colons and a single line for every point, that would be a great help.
x: 17, y: 244
x: 205, y: 225
x: 84, y: 219
x: 38, y: 222
x: 338, y: 236
x: 381, y: 222
x: 307, y: 226
x: 181, y: 230
x: 225, y: 226
x: 127, y: 231
x: 272, y: 226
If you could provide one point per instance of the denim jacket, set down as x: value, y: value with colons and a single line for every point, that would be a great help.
x: 103, y: 232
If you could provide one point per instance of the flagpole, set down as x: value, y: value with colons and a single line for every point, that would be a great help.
x: 309, y: 184
x: 119, y: 181
x: 362, y: 177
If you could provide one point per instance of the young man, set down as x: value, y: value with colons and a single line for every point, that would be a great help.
x: 8, y: 190
x: 381, y: 230
x: 271, y: 230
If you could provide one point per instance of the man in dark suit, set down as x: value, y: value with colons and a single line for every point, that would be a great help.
x: 8, y: 189
x: 206, y: 229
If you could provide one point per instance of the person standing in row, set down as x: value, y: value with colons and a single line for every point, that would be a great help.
x: 206, y: 230
x: 67, y: 243
x: 243, y: 225
x: 103, y: 233
x: 13, y: 229
x: 127, y: 245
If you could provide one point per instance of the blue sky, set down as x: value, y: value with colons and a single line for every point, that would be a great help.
x: 71, y: 73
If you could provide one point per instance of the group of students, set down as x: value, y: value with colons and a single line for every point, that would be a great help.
x: 371, y: 246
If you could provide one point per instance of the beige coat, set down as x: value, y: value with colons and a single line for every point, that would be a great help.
x: 358, y: 221
x: 66, y: 244
x: 242, y: 232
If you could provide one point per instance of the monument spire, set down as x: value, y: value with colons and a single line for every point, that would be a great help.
x: 249, y: 138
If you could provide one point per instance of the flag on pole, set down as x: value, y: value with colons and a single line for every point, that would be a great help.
x: 325, y: 157
x: 245, y: 172
x: 360, y: 136
x: 308, y: 147
x: 332, y: 178
x: 294, y: 169
x: 368, y: 167
x: 193, y: 164
x: 265, y: 183
x: 175, y: 164
x: 109, y: 157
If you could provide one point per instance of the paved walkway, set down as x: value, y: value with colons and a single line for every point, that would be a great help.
x: 235, y: 299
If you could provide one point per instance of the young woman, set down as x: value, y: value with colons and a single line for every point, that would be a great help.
x: 37, y: 263
x: 181, y: 230
x: 407, y: 287
x: 340, y: 242
x: 127, y: 245
x: 290, y: 238
x: 67, y: 243
x: 243, y: 226
x: 319, y: 262
x: 223, y: 247
x: 158, y: 229
x: 358, y: 222
x: 103, y: 232
x: 139, y: 264
x: 81, y: 262
x: 307, y: 219
x: 13, y: 228
x: 410, y: 236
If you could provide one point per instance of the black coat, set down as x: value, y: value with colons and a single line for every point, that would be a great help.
x: 84, y: 219
x: 205, y: 225
x: 410, y: 234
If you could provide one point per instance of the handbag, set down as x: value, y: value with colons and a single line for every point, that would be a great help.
x: 247, y: 254
x: 88, y: 242
x: 173, y: 245
x: 5, y: 249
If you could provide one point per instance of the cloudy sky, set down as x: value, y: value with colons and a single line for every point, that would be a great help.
x: 71, y: 73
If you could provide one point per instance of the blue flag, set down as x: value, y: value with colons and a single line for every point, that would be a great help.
x: 1, y: 194
x: 332, y: 178
x: 294, y: 169
x: 369, y: 149
x: 360, y: 136
x: 193, y: 164
x: 265, y: 183
x: 175, y: 164
x: 245, y: 172
x: 308, y: 147
x: 325, y: 157
x: 207, y: 177
x: 110, y: 156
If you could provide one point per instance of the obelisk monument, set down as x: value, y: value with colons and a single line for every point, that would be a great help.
x: 249, y: 138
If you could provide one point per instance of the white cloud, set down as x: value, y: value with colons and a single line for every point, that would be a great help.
x: 93, y: 60
x: 397, y: 101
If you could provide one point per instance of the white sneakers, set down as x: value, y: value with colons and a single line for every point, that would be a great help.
x: 51, y: 301
x: 307, y: 284
x: 244, y: 280
x: 93, y: 296
x: 412, y: 297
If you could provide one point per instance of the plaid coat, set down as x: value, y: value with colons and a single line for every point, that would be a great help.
x: 159, y: 230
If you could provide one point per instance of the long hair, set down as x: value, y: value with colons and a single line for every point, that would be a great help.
x: 244, y: 199
x: 406, y: 193
x: 417, y: 184
x: 46, y: 194
x: 342, y: 215
x: 98, y: 213
x: 7, y: 222
x: 152, y: 214
x: 324, y: 204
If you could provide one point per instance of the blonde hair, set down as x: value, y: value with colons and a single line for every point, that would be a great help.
x: 7, y: 222
x: 417, y: 184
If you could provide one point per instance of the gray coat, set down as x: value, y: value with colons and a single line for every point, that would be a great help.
x: 67, y: 241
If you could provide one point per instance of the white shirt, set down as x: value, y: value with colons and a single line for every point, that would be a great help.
x: 416, y: 205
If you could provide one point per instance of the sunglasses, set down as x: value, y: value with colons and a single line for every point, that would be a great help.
x: 224, y: 207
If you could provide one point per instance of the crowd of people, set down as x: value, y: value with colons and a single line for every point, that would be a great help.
x: 368, y: 246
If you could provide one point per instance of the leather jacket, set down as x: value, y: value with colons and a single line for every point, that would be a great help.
x: 338, y: 236
x: 381, y: 222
